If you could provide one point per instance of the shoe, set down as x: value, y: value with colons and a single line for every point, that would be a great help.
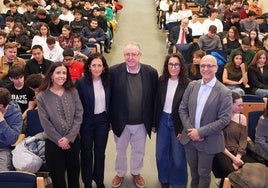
x: 165, y: 185
x: 117, y: 181
x: 107, y: 51
x: 139, y: 181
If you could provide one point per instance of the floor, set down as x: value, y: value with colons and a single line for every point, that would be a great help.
x: 137, y: 22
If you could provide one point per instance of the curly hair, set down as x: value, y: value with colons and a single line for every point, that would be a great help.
x: 183, y: 75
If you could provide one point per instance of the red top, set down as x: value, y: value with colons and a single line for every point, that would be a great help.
x: 76, y: 70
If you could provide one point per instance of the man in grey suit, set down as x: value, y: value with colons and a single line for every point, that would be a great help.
x: 205, y: 110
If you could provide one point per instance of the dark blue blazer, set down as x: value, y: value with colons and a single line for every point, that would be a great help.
x: 86, y: 92
x: 118, y: 107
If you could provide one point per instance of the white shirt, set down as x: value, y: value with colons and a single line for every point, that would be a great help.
x: 208, y: 22
x: 99, y: 95
x: 180, y: 37
x: 184, y: 14
x: 173, y: 17
x: 67, y: 17
x: 171, y: 89
x: 203, y: 94
x: 1, y: 51
x: 54, y: 55
x: 40, y: 40
x: 197, y: 28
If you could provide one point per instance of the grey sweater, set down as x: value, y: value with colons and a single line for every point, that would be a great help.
x: 60, y: 116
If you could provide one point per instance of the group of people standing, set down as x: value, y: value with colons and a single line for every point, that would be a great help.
x: 129, y: 98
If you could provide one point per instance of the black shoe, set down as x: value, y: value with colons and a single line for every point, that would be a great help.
x: 107, y: 51
x: 165, y: 185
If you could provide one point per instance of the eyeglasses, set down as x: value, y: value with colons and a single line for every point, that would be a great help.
x: 131, y: 54
x: 175, y: 65
x: 209, y: 66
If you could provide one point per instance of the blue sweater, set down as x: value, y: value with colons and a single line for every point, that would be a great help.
x: 10, y: 128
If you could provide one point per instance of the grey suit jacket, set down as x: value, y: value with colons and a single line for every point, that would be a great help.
x: 215, y: 116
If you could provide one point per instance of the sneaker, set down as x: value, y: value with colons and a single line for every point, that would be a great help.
x: 117, y: 181
x: 139, y: 181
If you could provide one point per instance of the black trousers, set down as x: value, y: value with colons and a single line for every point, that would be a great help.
x: 93, y: 146
x: 58, y: 161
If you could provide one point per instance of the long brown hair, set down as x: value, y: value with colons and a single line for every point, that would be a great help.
x: 200, y: 54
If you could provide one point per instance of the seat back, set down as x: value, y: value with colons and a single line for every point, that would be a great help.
x: 253, y: 118
x: 12, y: 179
x: 252, y: 103
x: 33, y: 123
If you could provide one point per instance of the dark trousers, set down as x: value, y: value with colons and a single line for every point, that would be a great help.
x: 93, y: 145
x: 58, y: 161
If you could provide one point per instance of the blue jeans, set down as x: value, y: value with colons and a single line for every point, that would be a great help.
x: 170, y: 154
x: 261, y: 92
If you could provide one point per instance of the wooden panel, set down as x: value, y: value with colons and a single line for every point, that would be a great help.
x: 195, y: 9
x: 252, y: 106
x: 191, y: 4
x: 259, y: 20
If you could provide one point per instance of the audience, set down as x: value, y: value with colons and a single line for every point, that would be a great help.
x: 56, y: 24
x: 213, y: 20
x: 194, y: 72
x: 248, y: 24
x: 261, y: 135
x: 52, y: 50
x: 254, y: 7
x: 255, y: 43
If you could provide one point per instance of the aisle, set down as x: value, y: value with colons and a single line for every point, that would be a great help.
x: 137, y: 22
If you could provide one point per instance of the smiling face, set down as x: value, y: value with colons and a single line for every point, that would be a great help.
x: 43, y: 30
x: 96, y: 68
x: 174, y: 67
x: 208, y: 68
x: 132, y: 56
x: 59, y: 76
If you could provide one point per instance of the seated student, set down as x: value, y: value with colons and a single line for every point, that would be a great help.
x: 30, y: 15
x: 66, y: 14
x: 94, y: 35
x: 231, y: 40
x: 245, y: 49
x: 34, y: 81
x: 171, y: 16
x: 20, y: 93
x: 234, y: 21
x: 55, y: 25
x: 9, y: 59
x: 249, y: 24
x: 76, y: 68
x: 254, y: 7
x: 52, y: 50
x: 212, y: 20
x: 258, y: 74
x: 196, y: 26
x: 38, y: 64
x: 210, y: 41
x: 78, y: 23
x: 66, y: 38
x: 42, y: 16
x: 3, y: 39
x: 255, y: 43
x: 9, y: 24
x: 235, y: 74
x: 264, y: 25
x: 261, y: 135
x: 81, y: 51
x: 265, y: 43
x: 235, y: 134
x: 13, y: 12
x: 10, y: 128
x: 54, y: 8
x: 194, y: 69
x: 19, y: 36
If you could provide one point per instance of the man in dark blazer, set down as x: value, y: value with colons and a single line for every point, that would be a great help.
x: 205, y: 110
x: 180, y: 38
x: 133, y: 88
